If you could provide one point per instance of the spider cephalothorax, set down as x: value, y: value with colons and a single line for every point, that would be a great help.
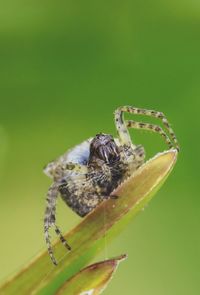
x: 104, y: 148
x: 87, y: 174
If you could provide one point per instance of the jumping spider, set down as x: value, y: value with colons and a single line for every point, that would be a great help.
x: 87, y: 174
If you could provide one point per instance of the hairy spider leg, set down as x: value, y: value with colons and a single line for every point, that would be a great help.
x: 76, y: 167
x: 57, y: 169
x: 49, y: 220
x: 59, y: 233
x: 151, y: 127
x: 122, y: 128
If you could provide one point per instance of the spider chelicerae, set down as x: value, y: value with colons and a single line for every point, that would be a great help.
x: 87, y: 174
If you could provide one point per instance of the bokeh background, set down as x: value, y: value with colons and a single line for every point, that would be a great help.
x: 64, y: 67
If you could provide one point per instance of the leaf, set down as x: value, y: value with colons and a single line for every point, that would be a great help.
x: 91, y: 280
x: 87, y: 238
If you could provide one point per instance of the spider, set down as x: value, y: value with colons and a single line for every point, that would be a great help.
x: 87, y: 174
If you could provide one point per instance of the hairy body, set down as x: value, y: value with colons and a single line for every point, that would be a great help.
x: 87, y: 174
x: 89, y: 180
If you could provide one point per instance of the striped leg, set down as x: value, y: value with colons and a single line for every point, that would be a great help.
x: 122, y: 127
x: 58, y: 232
x: 76, y: 167
x: 49, y: 220
x: 151, y: 127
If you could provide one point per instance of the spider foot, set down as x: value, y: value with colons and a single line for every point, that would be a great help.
x: 49, y: 245
x: 48, y: 240
x: 62, y: 239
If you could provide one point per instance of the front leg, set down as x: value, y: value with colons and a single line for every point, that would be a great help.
x: 122, y: 125
x: 50, y: 218
x: 82, y: 169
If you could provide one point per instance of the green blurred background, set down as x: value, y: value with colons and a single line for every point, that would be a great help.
x: 64, y: 67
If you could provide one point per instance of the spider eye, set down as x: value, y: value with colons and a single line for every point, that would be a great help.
x: 103, y: 147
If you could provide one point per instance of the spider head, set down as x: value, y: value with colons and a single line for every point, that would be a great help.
x: 104, y: 148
